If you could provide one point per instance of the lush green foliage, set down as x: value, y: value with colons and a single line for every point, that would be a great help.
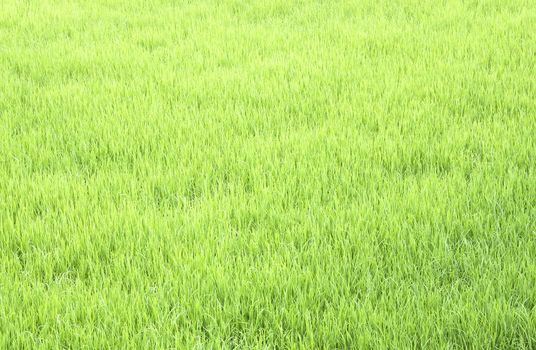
x: 279, y: 174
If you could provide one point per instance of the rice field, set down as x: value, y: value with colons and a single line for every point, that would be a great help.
x: 283, y: 174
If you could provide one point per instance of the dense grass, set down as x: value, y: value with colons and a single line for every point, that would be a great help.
x: 278, y: 174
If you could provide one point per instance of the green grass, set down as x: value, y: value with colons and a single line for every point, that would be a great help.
x: 268, y: 174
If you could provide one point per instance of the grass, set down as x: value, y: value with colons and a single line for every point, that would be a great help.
x: 268, y: 174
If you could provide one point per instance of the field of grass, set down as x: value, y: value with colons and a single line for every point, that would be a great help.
x: 268, y: 174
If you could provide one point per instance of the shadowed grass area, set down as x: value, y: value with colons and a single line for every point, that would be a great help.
x: 268, y: 174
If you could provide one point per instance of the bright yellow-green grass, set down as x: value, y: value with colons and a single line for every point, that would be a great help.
x: 268, y: 174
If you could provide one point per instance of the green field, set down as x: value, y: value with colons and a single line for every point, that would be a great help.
x: 289, y: 174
